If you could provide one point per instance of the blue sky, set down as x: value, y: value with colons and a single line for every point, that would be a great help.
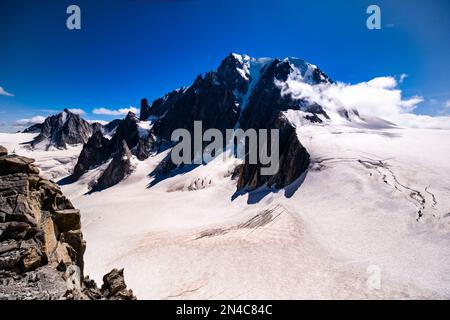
x: 131, y: 49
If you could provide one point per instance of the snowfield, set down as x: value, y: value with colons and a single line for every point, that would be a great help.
x: 374, y: 205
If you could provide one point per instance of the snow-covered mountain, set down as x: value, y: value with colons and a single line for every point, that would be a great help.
x: 243, y: 92
x: 359, y: 208
x: 61, y: 130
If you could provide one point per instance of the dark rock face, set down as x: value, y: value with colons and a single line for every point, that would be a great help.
x: 212, y: 99
x: 147, y: 146
x: 145, y: 110
x: 127, y: 130
x: 159, y: 106
x: 41, y: 243
x: 63, y: 129
x: 95, y: 152
x: 35, y: 128
x: 96, y: 126
x: 294, y: 161
x: 99, y: 149
x: 110, y: 127
x: 117, y: 170
x: 208, y: 100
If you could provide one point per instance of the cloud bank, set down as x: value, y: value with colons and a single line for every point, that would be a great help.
x: 118, y: 112
x: 379, y: 97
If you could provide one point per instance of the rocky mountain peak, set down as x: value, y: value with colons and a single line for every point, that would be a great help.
x: 61, y: 130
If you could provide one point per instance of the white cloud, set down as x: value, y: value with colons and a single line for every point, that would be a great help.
x: 77, y: 111
x: 3, y: 92
x: 102, y: 122
x: 383, y: 83
x: 29, y: 122
x: 118, y: 112
x: 379, y: 97
x: 403, y: 76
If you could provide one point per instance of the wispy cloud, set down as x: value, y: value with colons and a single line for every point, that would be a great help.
x: 403, y: 76
x: 3, y: 92
x: 29, y: 122
x: 117, y: 112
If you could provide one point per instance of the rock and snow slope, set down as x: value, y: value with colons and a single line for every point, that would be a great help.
x: 372, y: 208
x: 356, y: 208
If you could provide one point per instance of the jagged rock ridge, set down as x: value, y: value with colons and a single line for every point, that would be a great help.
x: 242, y: 93
x: 61, y: 130
x: 41, y: 243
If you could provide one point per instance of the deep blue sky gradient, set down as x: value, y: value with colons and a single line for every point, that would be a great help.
x: 131, y: 49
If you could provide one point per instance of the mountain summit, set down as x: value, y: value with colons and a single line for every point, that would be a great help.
x: 61, y: 130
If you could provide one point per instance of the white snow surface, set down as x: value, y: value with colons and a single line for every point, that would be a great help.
x: 185, y: 238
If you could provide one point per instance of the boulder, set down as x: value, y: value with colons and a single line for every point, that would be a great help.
x: 66, y: 220
x: 32, y: 258
x: 3, y: 151
x: 114, y: 286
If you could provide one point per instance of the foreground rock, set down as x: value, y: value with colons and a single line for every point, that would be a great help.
x: 41, y: 243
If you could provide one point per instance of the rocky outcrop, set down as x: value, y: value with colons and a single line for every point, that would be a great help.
x: 113, y: 288
x: 61, y: 130
x: 96, y: 126
x: 3, y: 151
x: 117, y: 170
x: 99, y: 149
x: 293, y: 161
x: 145, y: 110
x: 95, y: 152
x: 146, y: 147
x: 41, y: 243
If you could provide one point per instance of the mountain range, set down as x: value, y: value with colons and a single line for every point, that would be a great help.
x: 357, y: 209
x: 243, y: 93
